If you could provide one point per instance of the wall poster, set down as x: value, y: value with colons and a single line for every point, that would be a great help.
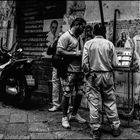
x: 52, y: 27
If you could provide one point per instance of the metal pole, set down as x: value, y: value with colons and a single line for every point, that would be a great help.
x: 1, y: 43
x: 101, y: 12
x: 128, y: 96
x: 114, y: 26
x: 8, y: 33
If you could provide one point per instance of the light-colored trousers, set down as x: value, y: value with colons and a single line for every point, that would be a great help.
x: 102, y: 85
x: 56, y: 88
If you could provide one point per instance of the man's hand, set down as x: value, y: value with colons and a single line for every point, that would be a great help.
x: 44, y: 55
x: 136, y: 66
x: 79, y: 53
x: 136, y: 63
x: 49, y: 44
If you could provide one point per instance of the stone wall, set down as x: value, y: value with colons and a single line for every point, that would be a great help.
x: 128, y: 10
x: 128, y: 20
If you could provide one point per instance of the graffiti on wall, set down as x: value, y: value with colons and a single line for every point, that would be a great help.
x: 74, y: 9
x: 7, y: 14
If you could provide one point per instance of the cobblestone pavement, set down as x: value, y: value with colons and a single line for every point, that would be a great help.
x: 38, y: 123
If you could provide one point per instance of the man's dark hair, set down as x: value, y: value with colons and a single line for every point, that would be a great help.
x: 89, y: 27
x: 54, y: 21
x: 77, y: 21
x: 99, y: 29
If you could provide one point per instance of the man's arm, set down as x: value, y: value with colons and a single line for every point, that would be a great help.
x: 136, y: 63
x: 66, y: 53
x: 85, y: 59
x: 115, y: 60
x: 61, y: 48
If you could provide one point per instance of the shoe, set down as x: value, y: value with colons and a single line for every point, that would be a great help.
x: 96, y: 134
x: 65, y: 122
x: 53, y: 109
x: 116, y: 133
x: 77, y: 118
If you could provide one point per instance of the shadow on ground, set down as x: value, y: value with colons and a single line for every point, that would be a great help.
x: 36, y: 102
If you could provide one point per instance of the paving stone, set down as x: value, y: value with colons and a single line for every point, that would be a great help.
x: 20, y: 111
x: 55, y: 127
x: 5, y: 111
x: 17, y: 129
x: 54, y: 120
x: 17, y: 117
x: 3, y: 127
x: 37, y: 118
x: 4, y: 118
x: 55, y: 117
x: 17, y: 137
x: 77, y: 126
x: 63, y: 134
x: 42, y: 136
x: 77, y: 135
x: 135, y: 124
x: 38, y: 127
x: 1, y: 136
x: 129, y: 133
x: 35, y: 124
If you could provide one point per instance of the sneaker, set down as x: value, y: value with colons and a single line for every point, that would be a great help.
x: 96, y: 134
x: 77, y: 118
x: 53, y: 109
x: 116, y: 132
x: 65, y: 122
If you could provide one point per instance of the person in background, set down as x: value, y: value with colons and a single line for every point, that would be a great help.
x: 88, y: 33
x: 136, y: 40
x: 99, y: 58
x: 125, y: 41
x: 51, y: 35
x: 121, y: 42
x: 70, y: 46
x: 56, y: 85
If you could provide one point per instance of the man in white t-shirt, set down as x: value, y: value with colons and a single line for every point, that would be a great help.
x: 56, y: 86
x: 136, y: 40
x: 70, y: 47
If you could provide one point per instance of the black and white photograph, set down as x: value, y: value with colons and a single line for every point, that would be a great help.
x: 70, y: 69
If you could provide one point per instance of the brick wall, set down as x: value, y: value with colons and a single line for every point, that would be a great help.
x: 30, y: 22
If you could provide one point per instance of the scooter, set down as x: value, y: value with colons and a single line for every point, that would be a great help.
x: 16, y: 78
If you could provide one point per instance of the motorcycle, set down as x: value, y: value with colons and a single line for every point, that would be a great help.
x: 16, y: 78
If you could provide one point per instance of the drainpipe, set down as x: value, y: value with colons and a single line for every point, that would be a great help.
x: 101, y: 13
x: 8, y: 34
x: 114, y: 26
